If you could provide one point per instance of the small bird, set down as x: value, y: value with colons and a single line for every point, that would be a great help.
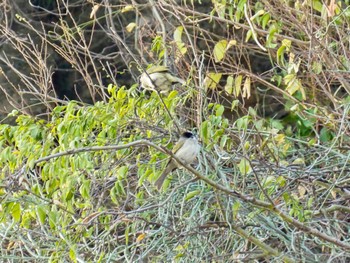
x: 159, y: 78
x: 186, y: 149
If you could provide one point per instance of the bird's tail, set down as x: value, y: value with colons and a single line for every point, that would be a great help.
x: 161, y: 179
x: 169, y: 168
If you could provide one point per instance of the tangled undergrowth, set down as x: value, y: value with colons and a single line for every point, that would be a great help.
x: 267, y: 90
x: 83, y: 183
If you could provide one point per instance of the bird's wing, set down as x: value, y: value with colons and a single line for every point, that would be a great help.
x: 178, y: 145
x: 155, y: 69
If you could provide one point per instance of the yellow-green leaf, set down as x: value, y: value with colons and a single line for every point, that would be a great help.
x: 244, y: 167
x: 223, y: 140
x: 265, y: 20
x: 248, y: 35
x: 219, y: 50
x: 280, y: 54
x: 219, y: 110
x: 72, y: 254
x: 238, y: 83
x: 16, y: 211
x: 294, y: 85
x: 212, y: 80
x: 178, y: 40
x: 130, y: 27
x: 192, y: 194
x: 127, y: 8
x: 205, y: 131
x: 85, y: 189
x: 280, y: 138
x: 231, y: 43
x: 41, y: 214
x: 317, y: 5
x: 122, y: 171
x: 269, y: 180
x: 229, y: 85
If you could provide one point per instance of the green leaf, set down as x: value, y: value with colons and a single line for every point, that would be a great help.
x: 41, y: 214
x: 219, y: 110
x: 72, y: 253
x: 178, y: 40
x: 122, y: 172
x: 223, y: 140
x: 192, y: 194
x: 15, y: 210
x: 280, y: 55
x: 269, y: 180
x: 127, y: 230
x: 53, y: 215
x: 265, y: 20
x: 144, y: 176
x: 276, y: 124
x: 130, y: 27
x: 325, y: 135
x: 281, y: 181
x: 252, y: 112
x: 287, y: 43
x: 271, y: 36
x: 205, y: 131
x: 244, y: 167
x: 242, y: 123
x: 229, y: 85
x: 219, y: 50
x: 85, y: 189
x: 294, y: 85
x: 113, y: 195
x: 317, y: 5
x: 121, y: 94
x: 212, y: 80
x: 248, y: 35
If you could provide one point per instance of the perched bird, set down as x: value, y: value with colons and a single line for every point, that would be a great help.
x: 159, y: 78
x: 186, y: 149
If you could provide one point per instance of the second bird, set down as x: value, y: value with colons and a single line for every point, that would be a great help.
x: 159, y: 78
x: 186, y: 149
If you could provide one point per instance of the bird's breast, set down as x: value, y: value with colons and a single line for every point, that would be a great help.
x: 188, y: 152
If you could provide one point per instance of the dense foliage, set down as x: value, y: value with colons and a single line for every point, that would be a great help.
x: 267, y: 89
